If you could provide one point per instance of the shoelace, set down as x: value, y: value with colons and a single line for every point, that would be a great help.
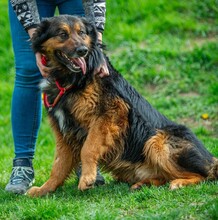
x: 20, y: 174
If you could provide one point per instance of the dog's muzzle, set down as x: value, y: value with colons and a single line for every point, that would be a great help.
x: 75, y: 63
x: 82, y: 51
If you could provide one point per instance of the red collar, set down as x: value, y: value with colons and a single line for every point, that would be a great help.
x: 62, y: 91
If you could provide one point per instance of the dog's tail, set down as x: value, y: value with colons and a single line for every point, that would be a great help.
x: 213, y: 172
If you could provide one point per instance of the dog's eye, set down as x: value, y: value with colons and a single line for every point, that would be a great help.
x: 82, y: 33
x: 63, y: 35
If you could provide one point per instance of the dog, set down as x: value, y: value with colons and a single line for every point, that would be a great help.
x: 106, y: 121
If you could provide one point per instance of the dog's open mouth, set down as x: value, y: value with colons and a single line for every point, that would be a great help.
x: 75, y: 64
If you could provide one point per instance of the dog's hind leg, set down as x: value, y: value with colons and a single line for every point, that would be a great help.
x: 60, y: 171
x: 193, y: 178
x: 188, y: 180
x: 162, y: 157
x: 148, y: 182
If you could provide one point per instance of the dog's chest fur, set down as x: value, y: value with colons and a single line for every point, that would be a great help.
x: 79, y: 109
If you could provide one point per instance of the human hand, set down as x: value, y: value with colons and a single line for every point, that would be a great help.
x: 41, y: 63
x: 31, y: 32
x: 102, y: 70
x: 40, y: 59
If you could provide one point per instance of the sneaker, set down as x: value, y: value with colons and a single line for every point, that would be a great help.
x: 99, y: 178
x: 22, y: 176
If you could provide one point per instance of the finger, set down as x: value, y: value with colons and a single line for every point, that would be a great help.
x: 106, y: 71
x: 103, y: 72
x: 43, y: 69
x: 96, y: 71
x: 44, y: 74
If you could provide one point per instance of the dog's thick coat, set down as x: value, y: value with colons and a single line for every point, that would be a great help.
x: 105, y: 121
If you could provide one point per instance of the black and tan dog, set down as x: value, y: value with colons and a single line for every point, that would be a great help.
x: 105, y: 121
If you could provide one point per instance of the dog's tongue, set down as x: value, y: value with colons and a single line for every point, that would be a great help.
x: 81, y: 63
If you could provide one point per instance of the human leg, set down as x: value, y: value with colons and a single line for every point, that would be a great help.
x: 26, y: 108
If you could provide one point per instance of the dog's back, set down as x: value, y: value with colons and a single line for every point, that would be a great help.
x: 144, y: 122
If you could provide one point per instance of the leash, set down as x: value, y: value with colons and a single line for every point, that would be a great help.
x: 62, y: 91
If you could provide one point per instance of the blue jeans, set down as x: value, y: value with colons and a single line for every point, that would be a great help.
x: 26, y: 100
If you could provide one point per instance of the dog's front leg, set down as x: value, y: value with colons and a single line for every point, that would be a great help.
x: 105, y: 134
x: 60, y: 171
x: 90, y: 154
x: 89, y: 168
x: 96, y: 144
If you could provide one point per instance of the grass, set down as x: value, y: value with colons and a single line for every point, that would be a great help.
x: 168, y: 51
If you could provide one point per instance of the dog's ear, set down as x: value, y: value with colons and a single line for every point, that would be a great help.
x: 91, y: 30
x: 40, y: 35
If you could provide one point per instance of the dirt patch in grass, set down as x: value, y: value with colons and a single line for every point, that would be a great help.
x: 194, y: 124
x: 191, y: 44
x: 188, y: 45
x: 189, y: 94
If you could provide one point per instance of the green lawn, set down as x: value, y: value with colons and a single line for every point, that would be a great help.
x: 168, y: 51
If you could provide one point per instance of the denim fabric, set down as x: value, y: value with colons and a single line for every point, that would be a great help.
x: 26, y: 100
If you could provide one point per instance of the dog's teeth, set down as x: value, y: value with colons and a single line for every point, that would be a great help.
x: 65, y: 56
x: 76, y: 67
x: 73, y: 65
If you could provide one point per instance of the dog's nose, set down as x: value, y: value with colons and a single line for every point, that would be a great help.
x: 82, y: 51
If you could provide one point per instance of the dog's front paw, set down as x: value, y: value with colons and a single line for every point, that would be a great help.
x: 36, y: 192
x: 86, y: 182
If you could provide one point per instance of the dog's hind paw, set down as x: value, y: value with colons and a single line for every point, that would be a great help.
x: 176, y: 184
x: 136, y: 186
x: 179, y: 183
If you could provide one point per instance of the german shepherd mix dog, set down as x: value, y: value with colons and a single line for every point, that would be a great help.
x: 105, y: 121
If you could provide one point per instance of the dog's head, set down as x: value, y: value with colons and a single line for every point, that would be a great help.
x: 69, y: 43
